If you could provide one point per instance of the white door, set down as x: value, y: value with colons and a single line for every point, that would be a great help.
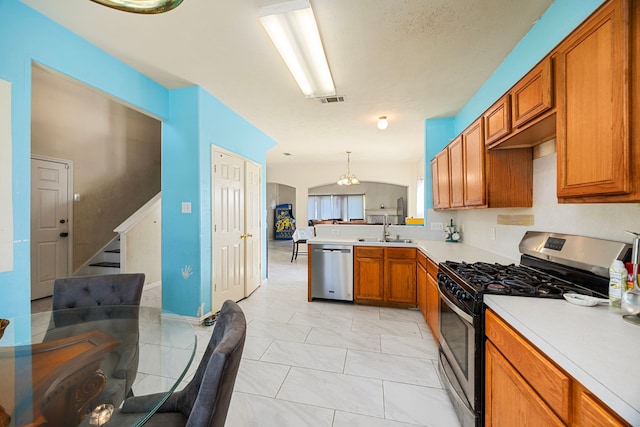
x: 228, y: 226
x: 50, y: 245
x: 253, y: 241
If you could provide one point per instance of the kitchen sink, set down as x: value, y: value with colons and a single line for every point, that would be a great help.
x: 379, y: 240
x: 406, y: 241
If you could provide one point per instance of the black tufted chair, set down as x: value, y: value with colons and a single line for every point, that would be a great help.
x: 95, y: 299
x: 204, y: 402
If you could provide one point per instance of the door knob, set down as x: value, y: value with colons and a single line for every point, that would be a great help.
x: 64, y: 234
x: 242, y: 236
x: 249, y: 235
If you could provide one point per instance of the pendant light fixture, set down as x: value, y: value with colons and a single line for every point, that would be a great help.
x: 348, y: 178
x: 141, y: 6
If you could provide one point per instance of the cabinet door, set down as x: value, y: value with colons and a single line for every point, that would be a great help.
x: 589, y: 412
x: 593, y: 138
x: 456, y: 173
x: 368, y: 276
x: 440, y: 180
x: 497, y: 120
x: 400, y: 275
x: 474, y: 176
x: 532, y: 95
x: 433, y: 306
x: 421, y: 283
x: 509, y: 399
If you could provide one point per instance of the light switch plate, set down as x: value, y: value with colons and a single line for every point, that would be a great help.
x: 186, y: 207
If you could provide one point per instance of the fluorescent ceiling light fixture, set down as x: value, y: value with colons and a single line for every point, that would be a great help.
x: 293, y: 30
x: 383, y: 123
x: 141, y: 6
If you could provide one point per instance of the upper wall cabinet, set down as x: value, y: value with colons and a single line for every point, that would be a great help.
x: 477, y: 178
x: 474, y: 173
x: 533, y: 95
x: 596, y: 152
x: 440, y: 180
x: 523, y: 117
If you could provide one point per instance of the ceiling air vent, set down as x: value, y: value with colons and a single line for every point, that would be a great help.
x: 331, y: 99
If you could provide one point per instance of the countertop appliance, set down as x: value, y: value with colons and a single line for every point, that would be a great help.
x: 551, y: 264
x: 332, y: 272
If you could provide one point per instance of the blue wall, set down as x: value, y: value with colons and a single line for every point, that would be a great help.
x: 192, y: 121
x: 562, y: 17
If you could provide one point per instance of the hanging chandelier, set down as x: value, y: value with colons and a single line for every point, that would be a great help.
x: 348, y: 178
x: 141, y: 6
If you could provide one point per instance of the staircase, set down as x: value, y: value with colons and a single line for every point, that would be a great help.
x: 106, y: 261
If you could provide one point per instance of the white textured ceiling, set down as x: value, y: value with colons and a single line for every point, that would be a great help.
x: 407, y: 59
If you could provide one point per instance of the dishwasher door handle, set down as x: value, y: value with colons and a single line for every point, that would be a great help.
x: 340, y: 251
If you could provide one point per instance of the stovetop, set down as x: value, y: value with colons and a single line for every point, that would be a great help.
x: 467, y: 283
x: 512, y: 280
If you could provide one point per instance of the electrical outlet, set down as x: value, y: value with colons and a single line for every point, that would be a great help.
x: 437, y: 226
x: 335, y: 231
x: 492, y: 233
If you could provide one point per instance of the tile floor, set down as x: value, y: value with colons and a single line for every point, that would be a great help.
x: 324, y: 364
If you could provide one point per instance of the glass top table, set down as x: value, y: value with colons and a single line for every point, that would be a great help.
x: 76, y: 366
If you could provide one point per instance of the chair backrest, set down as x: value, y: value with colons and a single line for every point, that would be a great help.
x: 205, y: 400
x: 90, y: 291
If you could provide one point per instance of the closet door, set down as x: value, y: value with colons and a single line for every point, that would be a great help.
x: 253, y: 233
x: 228, y: 228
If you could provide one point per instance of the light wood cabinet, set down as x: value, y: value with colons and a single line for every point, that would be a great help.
x: 421, y: 283
x: 524, y: 387
x: 456, y: 173
x: 474, y: 173
x: 433, y: 299
x: 509, y: 399
x: 385, y: 276
x: 400, y: 275
x: 368, y: 273
x: 590, y: 412
x: 440, y: 180
x: 478, y: 178
x: 533, y: 94
x: 594, y: 139
x: 497, y: 120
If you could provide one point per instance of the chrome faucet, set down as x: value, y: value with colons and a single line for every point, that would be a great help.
x: 385, y: 227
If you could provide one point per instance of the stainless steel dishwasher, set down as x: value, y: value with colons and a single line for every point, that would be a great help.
x: 332, y: 272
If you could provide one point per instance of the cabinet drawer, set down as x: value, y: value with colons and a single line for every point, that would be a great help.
x: 400, y: 253
x: 551, y: 383
x: 422, y: 259
x: 432, y: 268
x: 369, y: 252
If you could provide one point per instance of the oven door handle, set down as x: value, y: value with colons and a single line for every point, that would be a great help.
x: 455, y: 308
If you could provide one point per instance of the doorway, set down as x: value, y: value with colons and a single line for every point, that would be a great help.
x: 51, y: 223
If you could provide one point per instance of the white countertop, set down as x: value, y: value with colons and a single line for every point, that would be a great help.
x: 437, y: 250
x: 593, y: 344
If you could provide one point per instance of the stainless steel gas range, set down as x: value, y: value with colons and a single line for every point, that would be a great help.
x: 551, y: 264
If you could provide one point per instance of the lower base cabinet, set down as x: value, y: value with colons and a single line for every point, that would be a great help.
x: 385, y: 276
x: 524, y: 387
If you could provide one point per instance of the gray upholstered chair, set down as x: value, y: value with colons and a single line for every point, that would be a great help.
x: 204, y: 402
x: 90, y: 291
x: 102, y: 296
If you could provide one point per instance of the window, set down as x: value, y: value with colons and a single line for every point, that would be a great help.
x: 343, y: 207
x: 420, y: 198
